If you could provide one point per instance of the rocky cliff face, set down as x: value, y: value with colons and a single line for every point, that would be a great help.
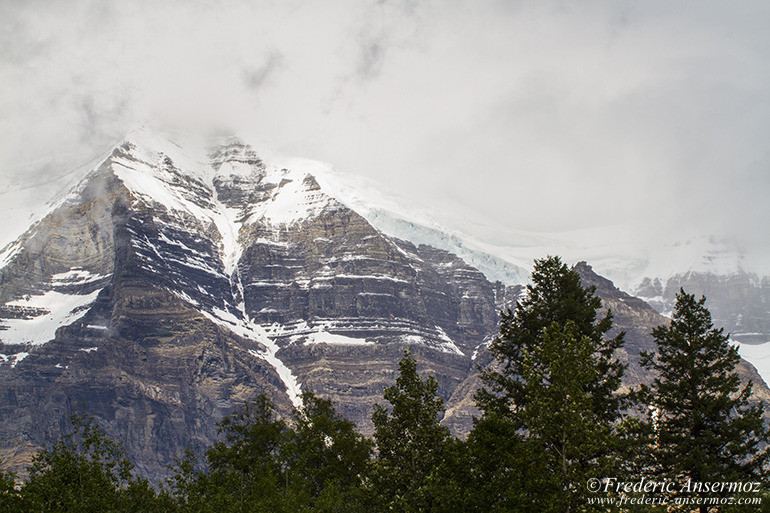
x: 167, y: 289
x: 171, y: 286
x: 739, y: 301
x: 631, y: 315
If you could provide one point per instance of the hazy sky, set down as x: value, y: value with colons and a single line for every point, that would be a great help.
x: 546, y: 115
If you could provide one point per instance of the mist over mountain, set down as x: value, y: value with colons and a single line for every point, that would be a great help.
x: 635, y: 124
x: 181, y: 276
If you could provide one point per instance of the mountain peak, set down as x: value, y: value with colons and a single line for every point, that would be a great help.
x: 235, y: 157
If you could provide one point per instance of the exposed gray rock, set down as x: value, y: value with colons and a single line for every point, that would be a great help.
x: 181, y: 289
x: 739, y: 301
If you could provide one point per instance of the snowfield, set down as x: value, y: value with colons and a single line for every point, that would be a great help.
x: 61, y: 310
x: 757, y: 355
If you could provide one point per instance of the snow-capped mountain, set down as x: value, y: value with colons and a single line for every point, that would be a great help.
x: 735, y: 285
x: 175, y: 279
x: 737, y: 288
x: 496, y: 247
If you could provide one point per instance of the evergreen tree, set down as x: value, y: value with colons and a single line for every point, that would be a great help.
x: 10, y: 496
x: 553, y: 393
x: 317, y: 463
x: 327, y: 459
x: 410, y: 441
x: 554, y: 296
x: 87, y: 471
x: 704, y: 428
x: 484, y: 472
x: 244, y: 471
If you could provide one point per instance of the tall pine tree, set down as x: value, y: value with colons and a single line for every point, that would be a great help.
x: 704, y: 428
x: 554, y: 296
x: 555, y: 384
x: 410, y: 441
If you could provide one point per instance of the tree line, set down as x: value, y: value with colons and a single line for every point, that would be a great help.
x: 557, y: 433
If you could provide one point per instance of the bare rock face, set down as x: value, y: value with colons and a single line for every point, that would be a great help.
x: 168, y: 288
x: 737, y: 301
x: 631, y: 315
x: 165, y: 291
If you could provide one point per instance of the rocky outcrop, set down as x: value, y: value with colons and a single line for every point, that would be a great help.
x: 166, y: 290
x: 631, y: 315
x: 738, y: 301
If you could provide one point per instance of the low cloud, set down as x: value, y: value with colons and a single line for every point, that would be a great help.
x: 256, y: 77
x: 542, y: 116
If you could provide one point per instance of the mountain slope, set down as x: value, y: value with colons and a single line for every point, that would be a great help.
x: 174, y: 282
x: 170, y: 286
x: 631, y: 315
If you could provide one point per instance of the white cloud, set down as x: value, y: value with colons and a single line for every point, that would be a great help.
x: 543, y: 115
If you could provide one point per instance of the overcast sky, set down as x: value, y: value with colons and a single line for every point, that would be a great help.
x: 543, y: 115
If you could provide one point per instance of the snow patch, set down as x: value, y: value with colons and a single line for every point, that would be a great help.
x: 335, y: 339
x: 235, y: 168
x: 757, y: 355
x: 294, y: 199
x: 184, y: 297
x: 75, y: 276
x: 144, y: 181
x: 7, y: 254
x: 13, y: 359
x: 62, y: 310
x: 445, y: 346
x: 247, y: 329
x: 484, y: 343
x: 378, y: 277
x: 230, y: 249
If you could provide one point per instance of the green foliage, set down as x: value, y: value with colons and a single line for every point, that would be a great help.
x: 555, y: 296
x: 184, y: 483
x: 327, y: 459
x: 484, y: 473
x: 702, y: 424
x: 552, y: 396
x: 244, y: 471
x: 10, y: 495
x: 565, y: 434
x: 83, y: 471
x: 264, y: 464
x: 410, y: 441
x: 86, y: 471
